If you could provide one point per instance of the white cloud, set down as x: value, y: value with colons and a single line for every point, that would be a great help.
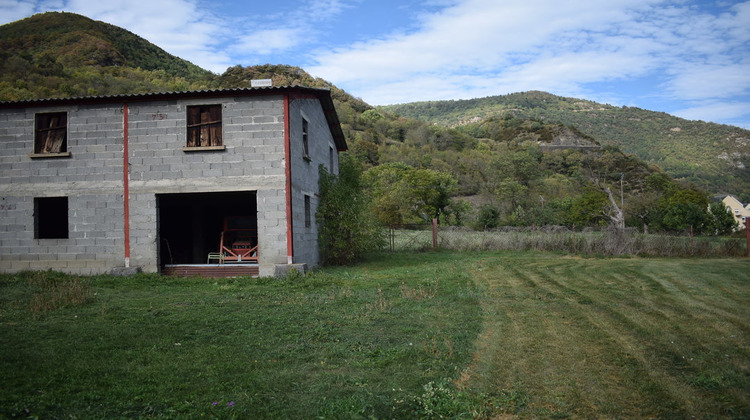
x: 710, y: 81
x: 178, y: 26
x: 268, y: 41
x: 485, y: 36
x: 718, y: 111
x: 11, y: 10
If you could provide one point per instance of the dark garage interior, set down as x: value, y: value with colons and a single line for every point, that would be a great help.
x: 190, y: 224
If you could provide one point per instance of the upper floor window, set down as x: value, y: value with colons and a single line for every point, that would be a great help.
x: 305, y: 139
x: 204, y: 126
x: 51, y: 133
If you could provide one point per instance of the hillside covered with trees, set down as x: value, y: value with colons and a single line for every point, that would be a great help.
x: 713, y: 156
x: 514, y: 162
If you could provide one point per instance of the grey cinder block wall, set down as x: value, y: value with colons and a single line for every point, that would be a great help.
x: 259, y: 129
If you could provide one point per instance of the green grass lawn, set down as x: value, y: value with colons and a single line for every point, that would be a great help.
x: 410, y: 335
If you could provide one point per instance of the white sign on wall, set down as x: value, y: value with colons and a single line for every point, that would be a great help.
x: 261, y: 83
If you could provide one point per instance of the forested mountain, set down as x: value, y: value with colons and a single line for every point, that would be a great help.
x: 64, y: 54
x: 713, y: 156
x: 508, y: 160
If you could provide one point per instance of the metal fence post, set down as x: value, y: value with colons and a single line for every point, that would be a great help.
x: 434, y: 234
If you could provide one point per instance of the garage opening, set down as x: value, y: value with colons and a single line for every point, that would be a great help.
x: 190, y: 225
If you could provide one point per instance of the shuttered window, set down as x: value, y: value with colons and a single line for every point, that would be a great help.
x: 51, y: 133
x: 204, y: 126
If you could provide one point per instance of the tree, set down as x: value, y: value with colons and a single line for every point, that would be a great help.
x: 685, y: 209
x: 683, y: 216
x: 721, y: 221
x: 587, y: 209
x: 347, y: 229
x: 405, y: 194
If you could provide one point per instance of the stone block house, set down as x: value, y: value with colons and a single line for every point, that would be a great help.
x: 739, y: 212
x: 159, y: 182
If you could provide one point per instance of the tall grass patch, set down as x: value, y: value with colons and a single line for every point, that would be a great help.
x: 609, y: 242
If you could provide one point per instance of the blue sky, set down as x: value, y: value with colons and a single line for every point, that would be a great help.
x: 686, y: 57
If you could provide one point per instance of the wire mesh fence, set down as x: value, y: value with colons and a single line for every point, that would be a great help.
x: 562, y: 239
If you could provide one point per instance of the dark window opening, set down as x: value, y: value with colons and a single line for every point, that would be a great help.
x: 308, y: 213
x: 330, y: 159
x: 305, y: 139
x: 204, y: 126
x: 51, y: 218
x: 190, y: 224
x: 51, y: 133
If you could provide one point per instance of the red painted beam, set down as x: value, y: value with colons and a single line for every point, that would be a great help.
x: 288, y: 168
x: 125, y: 182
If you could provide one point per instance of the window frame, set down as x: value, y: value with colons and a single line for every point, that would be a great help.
x: 46, y: 144
x: 204, y: 131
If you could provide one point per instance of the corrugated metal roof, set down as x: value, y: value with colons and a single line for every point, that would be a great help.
x: 324, y: 95
x: 157, y: 95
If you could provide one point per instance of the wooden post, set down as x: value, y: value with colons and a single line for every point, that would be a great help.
x: 434, y: 234
x: 747, y: 234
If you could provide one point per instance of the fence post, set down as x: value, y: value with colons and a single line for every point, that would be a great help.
x: 747, y: 234
x: 434, y: 234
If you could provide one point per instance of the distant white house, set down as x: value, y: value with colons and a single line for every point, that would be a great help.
x: 738, y: 210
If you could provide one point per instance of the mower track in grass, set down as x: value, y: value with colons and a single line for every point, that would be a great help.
x: 622, y: 338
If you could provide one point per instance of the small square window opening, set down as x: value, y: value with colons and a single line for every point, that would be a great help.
x: 51, y: 218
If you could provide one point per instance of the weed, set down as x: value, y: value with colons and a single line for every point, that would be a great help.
x: 418, y: 293
x: 381, y: 302
x: 53, y: 291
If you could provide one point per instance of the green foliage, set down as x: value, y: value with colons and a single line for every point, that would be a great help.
x: 489, y: 218
x: 404, y: 194
x: 682, y: 216
x: 721, y: 219
x: 587, y: 209
x: 710, y: 155
x: 347, y: 230
x: 63, y: 54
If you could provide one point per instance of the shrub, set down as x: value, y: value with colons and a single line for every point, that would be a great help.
x: 347, y: 230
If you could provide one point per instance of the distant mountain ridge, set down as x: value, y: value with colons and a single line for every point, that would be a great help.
x: 64, y: 55
x: 713, y: 156
x: 58, y: 54
x: 76, y: 40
